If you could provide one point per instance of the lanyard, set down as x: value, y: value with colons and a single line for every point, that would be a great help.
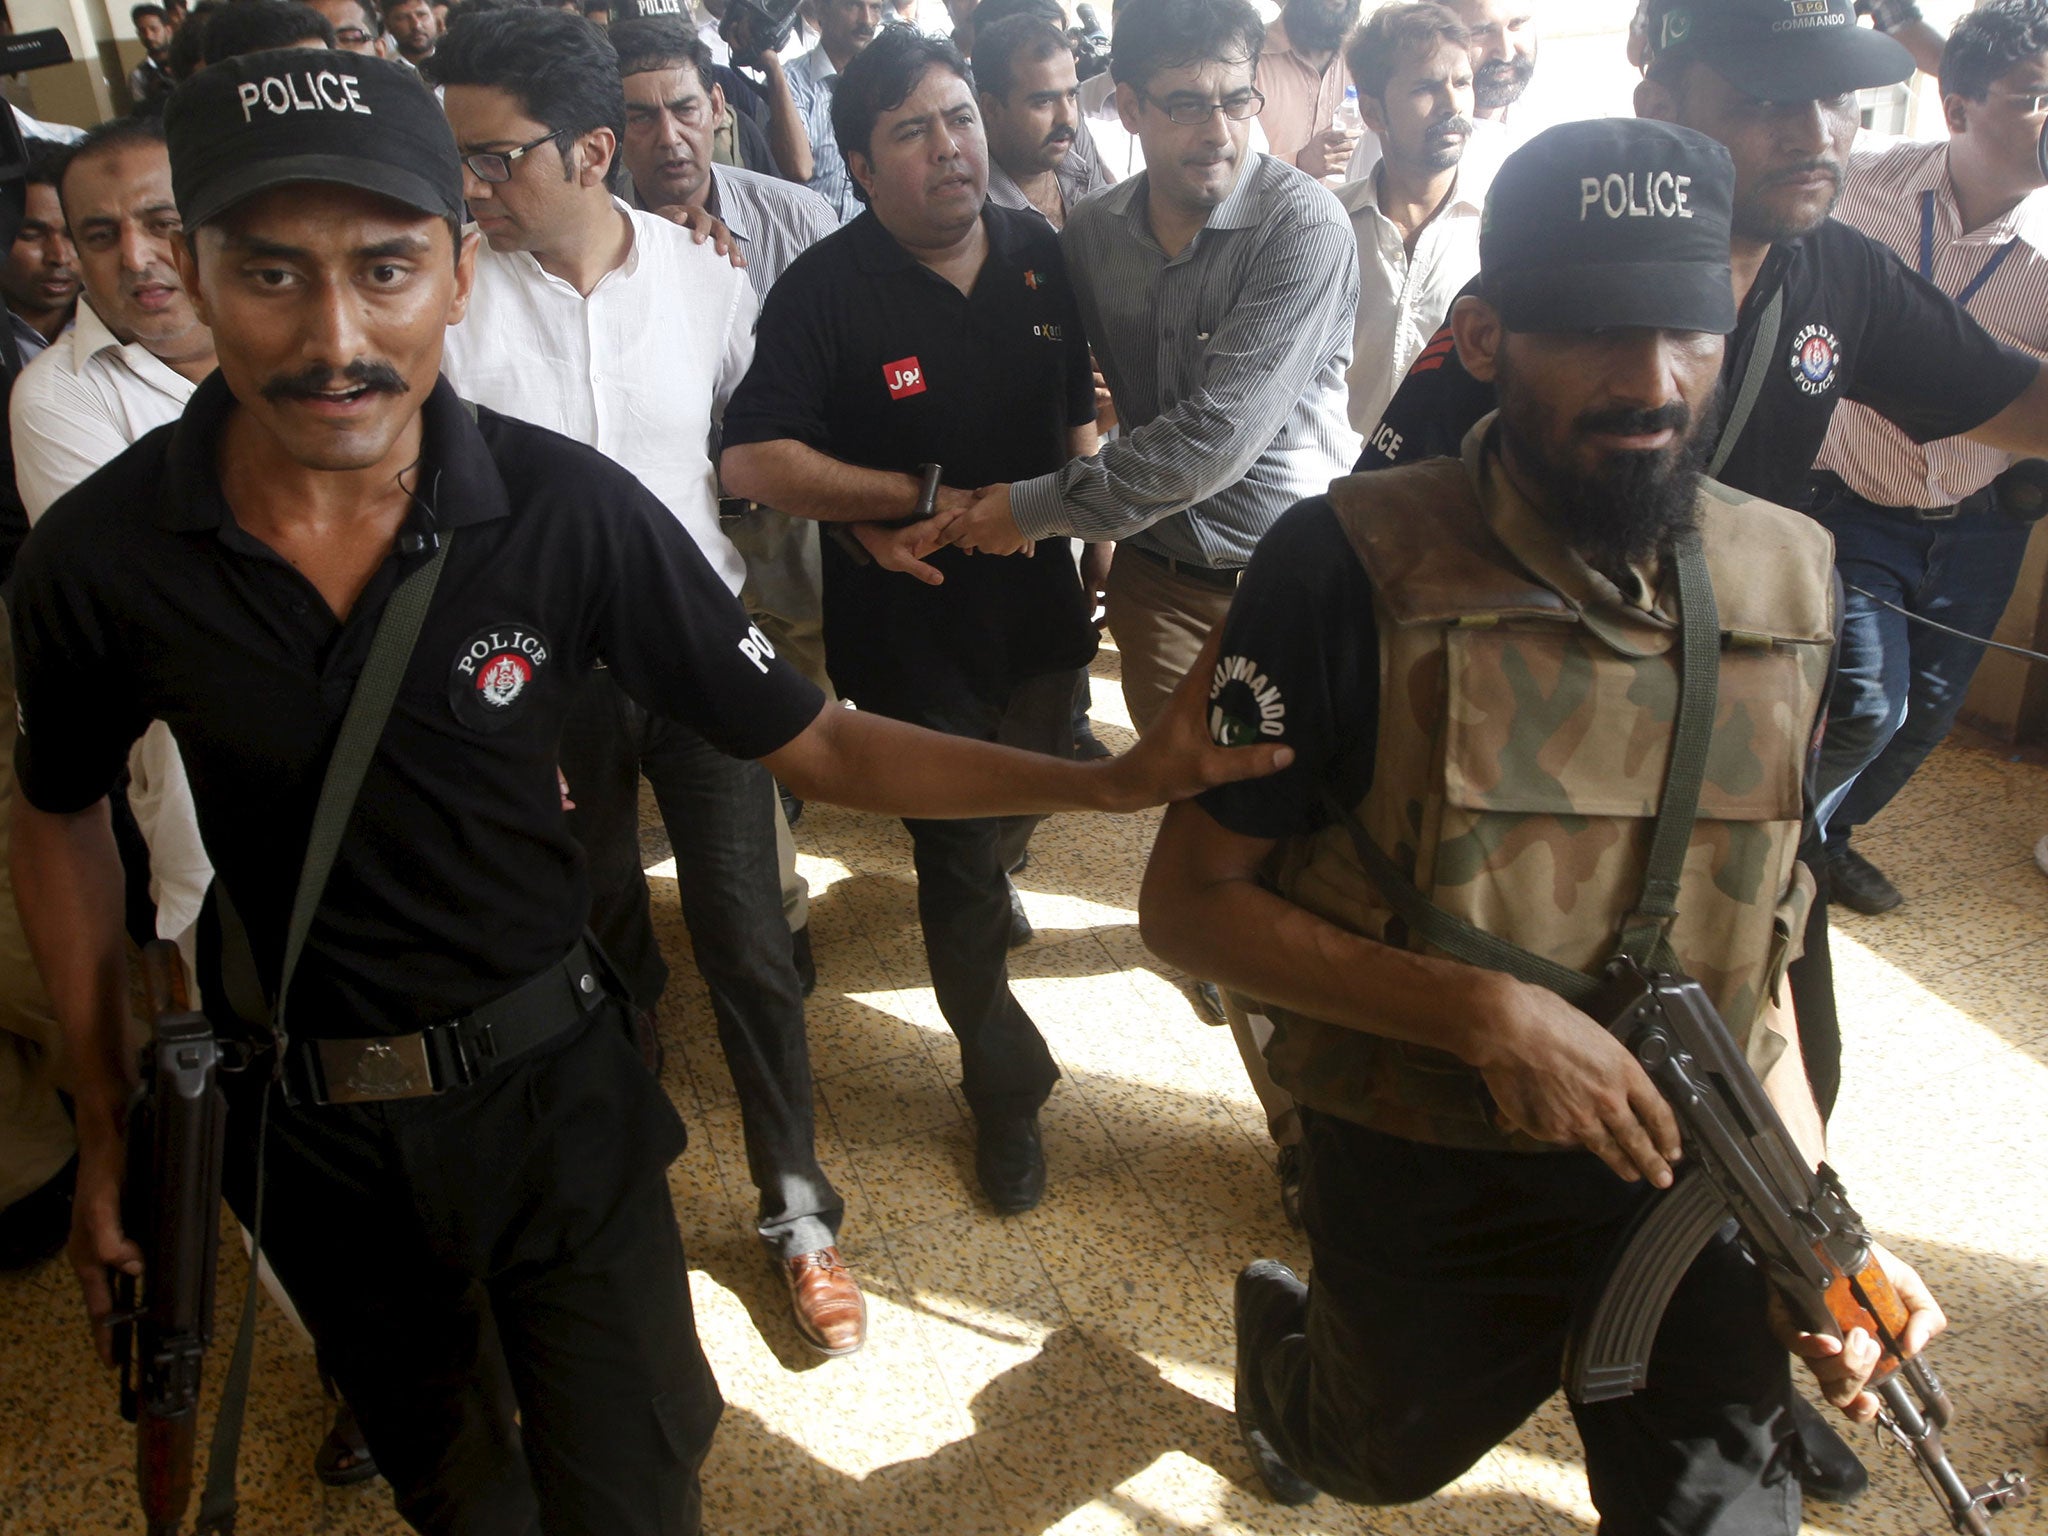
x: 1927, y: 252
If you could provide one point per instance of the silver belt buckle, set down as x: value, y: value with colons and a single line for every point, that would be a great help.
x: 1937, y: 514
x: 370, y: 1071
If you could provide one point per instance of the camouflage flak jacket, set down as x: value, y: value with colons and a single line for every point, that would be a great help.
x: 1525, y: 720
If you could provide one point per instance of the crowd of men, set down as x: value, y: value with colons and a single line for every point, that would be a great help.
x: 711, y: 375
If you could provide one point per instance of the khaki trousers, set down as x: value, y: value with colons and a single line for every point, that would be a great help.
x: 1160, y: 620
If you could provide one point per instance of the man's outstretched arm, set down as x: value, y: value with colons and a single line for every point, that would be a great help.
x: 853, y: 758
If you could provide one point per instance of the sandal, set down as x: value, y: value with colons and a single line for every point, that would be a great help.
x: 344, y: 1458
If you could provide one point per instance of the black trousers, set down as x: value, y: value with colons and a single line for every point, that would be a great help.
x: 509, y: 1246
x: 963, y: 898
x: 1443, y: 1289
x: 720, y: 815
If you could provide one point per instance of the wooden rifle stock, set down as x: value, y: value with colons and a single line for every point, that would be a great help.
x: 1741, y: 1162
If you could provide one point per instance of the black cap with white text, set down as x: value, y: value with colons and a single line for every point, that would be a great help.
x: 264, y: 120
x: 1616, y: 221
x: 1777, y: 50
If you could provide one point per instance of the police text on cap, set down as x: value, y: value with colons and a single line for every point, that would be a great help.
x: 1635, y: 194
x: 302, y: 91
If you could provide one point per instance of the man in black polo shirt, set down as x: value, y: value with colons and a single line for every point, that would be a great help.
x: 1853, y: 322
x: 479, y: 1232
x: 936, y: 328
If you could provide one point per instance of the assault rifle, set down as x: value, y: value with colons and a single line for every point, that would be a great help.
x: 170, y: 1204
x: 1741, y: 1162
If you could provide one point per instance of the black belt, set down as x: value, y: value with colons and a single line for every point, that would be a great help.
x: 1832, y: 484
x: 451, y: 1054
x: 1206, y: 575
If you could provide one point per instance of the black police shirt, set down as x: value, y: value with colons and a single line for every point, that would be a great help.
x: 870, y: 357
x: 1858, y: 324
x: 139, y: 597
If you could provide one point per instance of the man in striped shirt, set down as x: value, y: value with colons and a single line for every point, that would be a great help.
x: 1920, y: 527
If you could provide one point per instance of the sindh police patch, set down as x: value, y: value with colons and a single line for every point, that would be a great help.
x: 1816, y: 358
x: 494, y: 673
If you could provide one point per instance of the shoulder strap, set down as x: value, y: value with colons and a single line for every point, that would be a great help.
x: 362, y: 727
x: 1644, y: 932
x: 1761, y: 357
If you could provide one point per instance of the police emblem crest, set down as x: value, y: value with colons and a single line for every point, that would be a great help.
x: 1815, y: 359
x: 494, y: 674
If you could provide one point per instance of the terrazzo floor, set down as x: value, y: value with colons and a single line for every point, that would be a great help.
x: 1069, y: 1370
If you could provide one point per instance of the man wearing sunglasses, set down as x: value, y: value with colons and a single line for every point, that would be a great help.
x: 355, y: 26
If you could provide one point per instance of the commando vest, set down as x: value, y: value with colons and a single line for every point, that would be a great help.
x: 1521, y: 750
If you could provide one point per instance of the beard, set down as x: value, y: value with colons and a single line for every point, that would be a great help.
x: 1633, y: 505
x: 1316, y: 26
x: 1498, y: 82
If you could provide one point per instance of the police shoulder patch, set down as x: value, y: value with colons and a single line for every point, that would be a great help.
x: 494, y: 674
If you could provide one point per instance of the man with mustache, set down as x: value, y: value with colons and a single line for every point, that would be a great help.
x: 1501, y: 35
x: 1302, y: 75
x: 1478, y: 661
x: 1929, y: 528
x: 844, y: 28
x: 1030, y: 105
x: 649, y: 333
x: 1417, y: 215
x: 936, y: 329
x: 464, y: 1163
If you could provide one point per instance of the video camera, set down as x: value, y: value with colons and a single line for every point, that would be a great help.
x: 754, y: 27
x: 1091, y: 43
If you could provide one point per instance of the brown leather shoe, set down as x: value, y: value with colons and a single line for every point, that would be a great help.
x: 830, y: 1312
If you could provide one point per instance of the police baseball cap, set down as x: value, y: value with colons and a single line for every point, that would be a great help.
x: 1777, y: 50
x: 1616, y: 221
x: 265, y: 120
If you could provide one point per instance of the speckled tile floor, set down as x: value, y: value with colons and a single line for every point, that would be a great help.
x: 1069, y: 1370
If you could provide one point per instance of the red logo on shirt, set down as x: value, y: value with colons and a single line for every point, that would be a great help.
x: 904, y: 377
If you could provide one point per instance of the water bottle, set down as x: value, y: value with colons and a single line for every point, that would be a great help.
x: 1349, y: 118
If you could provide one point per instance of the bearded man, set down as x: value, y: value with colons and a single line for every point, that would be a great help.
x: 1476, y: 662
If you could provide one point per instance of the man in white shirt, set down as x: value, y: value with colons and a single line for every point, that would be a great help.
x: 1417, y: 215
x: 844, y: 28
x: 128, y: 365
x: 612, y: 326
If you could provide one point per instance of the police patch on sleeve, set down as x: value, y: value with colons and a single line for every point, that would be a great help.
x: 494, y: 674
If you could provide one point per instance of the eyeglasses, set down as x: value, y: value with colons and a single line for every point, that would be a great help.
x: 2030, y: 102
x: 1192, y: 114
x: 352, y: 37
x: 496, y: 165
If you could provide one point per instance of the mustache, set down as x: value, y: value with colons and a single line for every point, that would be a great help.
x: 1631, y: 422
x: 1828, y: 168
x: 377, y: 378
x: 1060, y: 136
x: 1451, y: 125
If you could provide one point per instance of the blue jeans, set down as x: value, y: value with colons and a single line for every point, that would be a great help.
x: 720, y: 816
x: 1899, y: 684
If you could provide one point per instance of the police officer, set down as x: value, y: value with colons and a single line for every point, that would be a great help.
x: 464, y: 1161
x: 1476, y: 662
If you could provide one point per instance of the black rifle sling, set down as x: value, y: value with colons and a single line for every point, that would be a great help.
x: 1643, y: 936
x: 362, y: 727
x: 1760, y: 355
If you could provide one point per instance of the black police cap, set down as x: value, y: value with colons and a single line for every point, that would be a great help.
x: 1617, y: 221
x: 265, y: 120
x: 1777, y: 50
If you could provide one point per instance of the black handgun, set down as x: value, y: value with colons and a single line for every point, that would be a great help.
x: 1741, y: 1163
x: 170, y: 1204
